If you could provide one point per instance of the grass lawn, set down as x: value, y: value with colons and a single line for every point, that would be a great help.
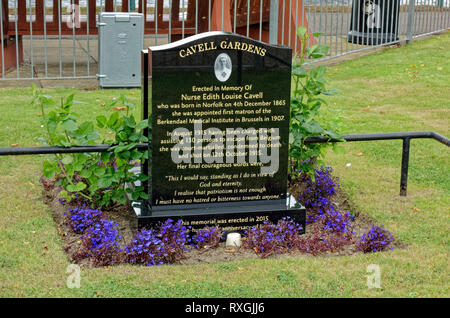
x: 402, y: 89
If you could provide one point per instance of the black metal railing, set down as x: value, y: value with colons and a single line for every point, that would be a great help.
x: 405, y: 136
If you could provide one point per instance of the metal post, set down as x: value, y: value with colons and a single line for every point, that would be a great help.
x: 391, y: 21
x: 87, y: 37
x: 273, y: 22
x: 397, y: 19
x: 409, y: 27
x: 2, y: 39
x: 31, y: 39
x: 282, y: 26
x: 156, y: 21
x: 234, y: 14
x: 405, y: 164
x: 209, y: 15
x: 248, y: 18
x: 196, y: 17
x: 296, y: 25
x: 260, y: 19
x: 73, y: 19
x: 170, y: 21
x: 59, y: 39
x: 16, y: 18
x: 290, y: 21
x: 182, y: 18
x: 320, y: 23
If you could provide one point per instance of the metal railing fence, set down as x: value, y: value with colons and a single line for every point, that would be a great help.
x: 404, y: 136
x: 57, y: 39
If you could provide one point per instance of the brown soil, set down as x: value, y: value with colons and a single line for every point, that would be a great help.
x: 127, y: 225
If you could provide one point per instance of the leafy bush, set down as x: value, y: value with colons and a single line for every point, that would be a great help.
x: 208, y: 237
x: 100, y: 178
x: 268, y: 239
x: 376, y: 240
x: 307, y: 118
x: 100, y: 243
x: 165, y: 246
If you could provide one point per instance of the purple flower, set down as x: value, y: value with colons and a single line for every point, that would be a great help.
x: 267, y: 238
x: 166, y: 246
x: 376, y: 240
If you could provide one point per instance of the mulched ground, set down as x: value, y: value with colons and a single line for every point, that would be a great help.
x: 127, y: 225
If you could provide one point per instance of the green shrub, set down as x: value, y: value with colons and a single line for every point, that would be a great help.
x: 98, y: 177
x: 308, y: 118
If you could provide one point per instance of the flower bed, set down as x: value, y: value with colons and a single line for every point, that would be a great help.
x: 102, y: 238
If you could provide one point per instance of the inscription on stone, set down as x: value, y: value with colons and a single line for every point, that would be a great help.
x: 220, y: 128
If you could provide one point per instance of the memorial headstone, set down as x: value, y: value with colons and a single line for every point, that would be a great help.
x: 219, y: 106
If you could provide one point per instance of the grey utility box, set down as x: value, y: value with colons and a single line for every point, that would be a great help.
x: 120, y: 41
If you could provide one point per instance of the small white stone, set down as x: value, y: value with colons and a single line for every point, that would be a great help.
x: 348, y: 164
x: 234, y: 240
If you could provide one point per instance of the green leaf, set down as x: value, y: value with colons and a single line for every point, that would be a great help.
x: 301, y: 118
x: 86, y: 128
x: 50, y: 169
x: 69, y: 125
x: 105, y: 182
x: 71, y: 188
x: 318, y: 51
x: 130, y: 122
x: 144, y: 195
x: 135, y: 195
x: 85, y: 173
x: 122, y: 200
x: 331, y: 92
x: 101, y: 121
x: 68, y: 102
x: 125, y: 155
x: 299, y: 71
x: 105, y: 156
x: 80, y: 186
x: 313, y: 127
x: 67, y: 160
x: 112, y: 120
x: 119, y: 192
x: 143, y: 124
x: 92, y: 136
x: 99, y: 171
x: 332, y: 134
x: 142, y: 177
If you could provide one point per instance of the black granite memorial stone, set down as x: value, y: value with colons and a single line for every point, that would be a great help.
x: 219, y: 105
